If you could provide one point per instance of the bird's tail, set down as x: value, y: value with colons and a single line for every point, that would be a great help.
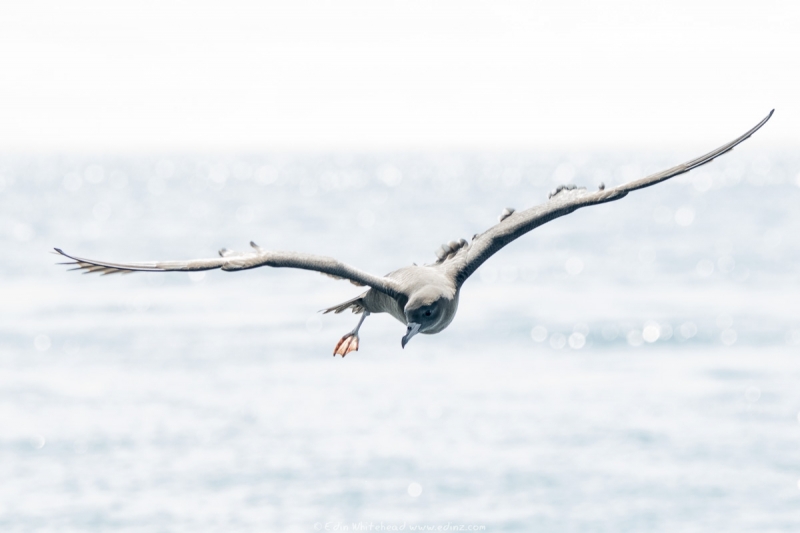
x: 356, y: 304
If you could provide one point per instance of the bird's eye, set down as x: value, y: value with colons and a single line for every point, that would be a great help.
x: 428, y: 312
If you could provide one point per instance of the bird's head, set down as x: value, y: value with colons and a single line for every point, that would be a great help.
x: 429, y: 310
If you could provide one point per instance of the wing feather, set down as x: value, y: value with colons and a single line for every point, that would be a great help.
x: 242, y: 261
x: 564, y: 202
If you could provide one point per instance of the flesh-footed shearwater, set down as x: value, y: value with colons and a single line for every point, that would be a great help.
x: 424, y: 298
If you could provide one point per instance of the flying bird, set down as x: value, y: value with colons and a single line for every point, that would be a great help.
x: 424, y: 298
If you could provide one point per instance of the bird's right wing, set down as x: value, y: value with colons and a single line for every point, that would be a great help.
x: 460, y: 261
x: 231, y: 261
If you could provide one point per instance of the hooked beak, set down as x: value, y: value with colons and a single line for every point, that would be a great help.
x: 413, y: 329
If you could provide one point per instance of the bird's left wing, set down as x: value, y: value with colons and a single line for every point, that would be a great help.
x: 243, y: 261
x: 563, y: 201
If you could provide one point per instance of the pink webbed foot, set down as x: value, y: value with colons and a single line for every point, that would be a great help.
x: 347, y: 344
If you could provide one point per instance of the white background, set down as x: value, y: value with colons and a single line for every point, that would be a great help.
x: 123, y: 76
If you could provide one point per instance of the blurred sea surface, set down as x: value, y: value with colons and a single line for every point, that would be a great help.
x: 629, y: 367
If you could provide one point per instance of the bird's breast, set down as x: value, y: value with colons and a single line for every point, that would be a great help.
x: 378, y: 302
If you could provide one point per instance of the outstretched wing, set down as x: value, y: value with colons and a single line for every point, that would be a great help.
x: 562, y: 202
x: 242, y: 261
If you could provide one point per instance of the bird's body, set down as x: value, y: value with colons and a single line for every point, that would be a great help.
x: 413, y: 279
x: 424, y: 298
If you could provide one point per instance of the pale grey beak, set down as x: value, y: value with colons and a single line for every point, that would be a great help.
x: 413, y: 329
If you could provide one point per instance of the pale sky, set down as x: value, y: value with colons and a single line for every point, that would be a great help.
x: 164, y: 75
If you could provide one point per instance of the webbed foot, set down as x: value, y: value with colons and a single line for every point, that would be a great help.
x: 347, y: 344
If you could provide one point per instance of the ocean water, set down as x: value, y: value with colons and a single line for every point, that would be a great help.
x: 630, y: 367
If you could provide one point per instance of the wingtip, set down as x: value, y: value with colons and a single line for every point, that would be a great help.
x: 59, y: 251
x: 763, y: 121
